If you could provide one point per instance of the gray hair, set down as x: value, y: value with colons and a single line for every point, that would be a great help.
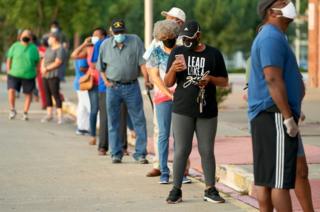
x: 166, y: 29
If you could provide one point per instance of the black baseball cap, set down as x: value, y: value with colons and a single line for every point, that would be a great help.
x: 262, y: 7
x: 118, y: 25
x: 189, y: 29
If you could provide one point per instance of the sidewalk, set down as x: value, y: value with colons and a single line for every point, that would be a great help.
x: 233, y: 146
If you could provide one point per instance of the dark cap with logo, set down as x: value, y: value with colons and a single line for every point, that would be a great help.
x: 118, y: 25
x: 189, y: 29
x: 262, y: 7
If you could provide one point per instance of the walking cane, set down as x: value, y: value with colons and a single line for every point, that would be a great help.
x: 149, y: 96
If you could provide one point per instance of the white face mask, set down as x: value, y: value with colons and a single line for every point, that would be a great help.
x: 94, y: 39
x: 289, y: 11
x: 54, y: 29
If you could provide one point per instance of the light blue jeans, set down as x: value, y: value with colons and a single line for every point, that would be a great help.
x: 163, y: 112
x: 131, y: 95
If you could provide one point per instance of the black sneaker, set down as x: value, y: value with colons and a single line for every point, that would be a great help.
x: 175, y: 196
x: 212, y: 195
x: 116, y: 160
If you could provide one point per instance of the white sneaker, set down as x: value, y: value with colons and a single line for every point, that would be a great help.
x: 46, y: 119
x: 60, y: 121
x: 12, y: 114
x: 25, y: 117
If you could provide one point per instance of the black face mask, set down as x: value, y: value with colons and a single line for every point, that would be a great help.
x: 191, y: 43
x: 26, y: 39
x: 169, y: 43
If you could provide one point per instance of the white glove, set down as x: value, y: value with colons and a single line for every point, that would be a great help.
x: 292, y: 127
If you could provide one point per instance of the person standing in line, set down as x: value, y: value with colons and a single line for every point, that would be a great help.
x: 103, y: 146
x: 86, y: 50
x: 167, y: 32
x: 22, y: 61
x: 83, y: 107
x: 197, y: 69
x: 54, y: 60
x: 120, y: 61
x: 177, y: 15
x: 275, y: 94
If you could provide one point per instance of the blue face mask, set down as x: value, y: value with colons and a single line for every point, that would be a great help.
x: 119, y: 38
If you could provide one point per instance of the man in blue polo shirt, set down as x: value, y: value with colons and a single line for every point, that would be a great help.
x: 120, y: 61
x: 275, y: 94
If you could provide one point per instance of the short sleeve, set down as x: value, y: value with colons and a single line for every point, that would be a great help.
x: 220, y: 69
x: 272, y: 53
x: 101, y: 65
x: 153, y: 61
x: 10, y: 52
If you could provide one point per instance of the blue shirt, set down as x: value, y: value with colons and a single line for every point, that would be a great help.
x: 271, y: 48
x: 79, y: 63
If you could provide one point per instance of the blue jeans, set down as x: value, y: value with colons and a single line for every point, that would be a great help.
x: 94, y: 108
x: 131, y: 95
x: 163, y: 112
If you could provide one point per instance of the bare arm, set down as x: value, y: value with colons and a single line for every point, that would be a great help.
x: 52, y: 66
x: 277, y: 89
x: 105, y: 79
x: 170, y: 77
x: 80, y: 53
x: 219, y: 81
x: 155, y: 78
x: 8, y: 64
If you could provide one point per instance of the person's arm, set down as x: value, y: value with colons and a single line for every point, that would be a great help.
x: 80, y: 52
x: 155, y: 78
x: 8, y: 64
x: 145, y: 74
x: 277, y: 90
x: 52, y: 66
x: 105, y: 79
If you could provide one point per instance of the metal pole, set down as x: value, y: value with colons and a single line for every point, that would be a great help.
x: 298, y: 33
x: 148, y: 20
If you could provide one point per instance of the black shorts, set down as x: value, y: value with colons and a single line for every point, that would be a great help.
x: 274, y: 152
x: 16, y: 83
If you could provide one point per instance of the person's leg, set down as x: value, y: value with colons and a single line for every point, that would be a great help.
x: 281, y: 200
x: 113, y: 109
x: 13, y: 84
x: 264, y: 199
x: 302, y: 185
x: 12, y: 98
x: 103, y: 129
x: 94, y: 106
x: 28, y: 87
x: 123, y: 126
x: 164, y: 122
x: 82, y: 111
x: 206, y: 133
x: 133, y: 99
x: 183, y: 128
x: 54, y: 85
x: 48, y: 100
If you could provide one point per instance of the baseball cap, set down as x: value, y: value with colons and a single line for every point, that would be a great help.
x: 118, y: 25
x: 263, y: 5
x: 189, y: 29
x: 175, y: 12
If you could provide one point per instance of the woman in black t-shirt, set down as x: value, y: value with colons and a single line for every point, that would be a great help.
x: 197, y: 69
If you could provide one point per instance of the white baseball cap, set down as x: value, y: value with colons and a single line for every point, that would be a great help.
x: 175, y: 12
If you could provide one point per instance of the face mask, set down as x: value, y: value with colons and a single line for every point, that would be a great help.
x: 94, y: 39
x: 191, y: 44
x: 169, y: 43
x: 288, y: 11
x: 54, y: 29
x: 119, y: 38
x: 25, y: 39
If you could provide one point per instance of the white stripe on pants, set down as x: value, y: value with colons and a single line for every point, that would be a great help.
x: 280, y: 151
x: 83, y: 110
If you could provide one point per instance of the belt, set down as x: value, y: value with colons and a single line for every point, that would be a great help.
x: 123, y: 82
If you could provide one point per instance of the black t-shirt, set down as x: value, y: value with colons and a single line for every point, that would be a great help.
x: 209, y: 61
